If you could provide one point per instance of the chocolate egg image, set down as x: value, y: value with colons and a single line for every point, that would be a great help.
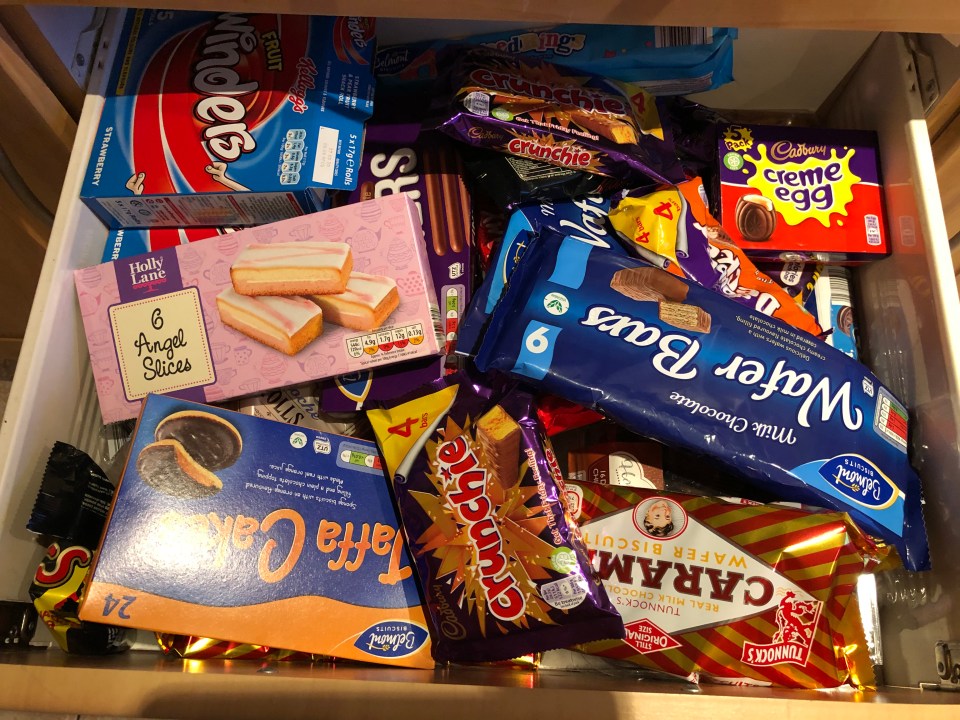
x: 756, y: 218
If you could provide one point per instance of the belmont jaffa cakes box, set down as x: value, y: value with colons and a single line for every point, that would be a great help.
x: 303, y: 299
x: 791, y: 193
x: 254, y: 531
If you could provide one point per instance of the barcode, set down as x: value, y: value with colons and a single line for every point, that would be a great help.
x: 477, y: 103
x: 839, y: 283
x: 437, y: 327
x: 679, y: 36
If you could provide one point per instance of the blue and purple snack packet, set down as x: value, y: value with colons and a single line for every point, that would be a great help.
x: 535, y: 110
x: 677, y: 363
x: 584, y: 219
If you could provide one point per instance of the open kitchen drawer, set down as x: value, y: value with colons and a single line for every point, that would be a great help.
x: 909, y: 320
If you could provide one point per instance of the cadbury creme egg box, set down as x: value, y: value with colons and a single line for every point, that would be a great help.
x: 790, y: 193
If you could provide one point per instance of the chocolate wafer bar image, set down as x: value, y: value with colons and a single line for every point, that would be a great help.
x: 189, y: 446
x: 647, y: 284
x: 499, y: 436
x: 685, y: 317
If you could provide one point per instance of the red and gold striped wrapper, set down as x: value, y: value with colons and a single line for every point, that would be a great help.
x: 728, y: 590
x: 201, y: 648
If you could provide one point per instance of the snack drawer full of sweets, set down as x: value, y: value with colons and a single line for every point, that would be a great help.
x: 904, y: 301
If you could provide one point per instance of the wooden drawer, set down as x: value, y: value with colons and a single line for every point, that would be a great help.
x: 910, y: 307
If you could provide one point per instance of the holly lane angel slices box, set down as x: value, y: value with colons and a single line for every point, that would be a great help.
x: 282, y: 304
x: 254, y: 531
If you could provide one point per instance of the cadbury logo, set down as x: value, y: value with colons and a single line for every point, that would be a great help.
x: 464, y: 488
x: 786, y: 150
x: 227, y: 136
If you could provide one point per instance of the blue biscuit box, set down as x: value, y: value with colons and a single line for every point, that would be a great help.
x: 214, y: 119
x: 249, y: 530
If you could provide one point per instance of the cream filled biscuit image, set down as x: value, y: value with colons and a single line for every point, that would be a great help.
x: 293, y: 268
x: 286, y: 324
x: 367, y: 302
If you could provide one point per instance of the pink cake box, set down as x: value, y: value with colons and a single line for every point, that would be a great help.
x: 153, y: 324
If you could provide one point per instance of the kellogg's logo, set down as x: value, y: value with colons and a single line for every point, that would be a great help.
x: 306, y: 72
x: 394, y: 639
x: 796, y: 620
x: 860, y: 480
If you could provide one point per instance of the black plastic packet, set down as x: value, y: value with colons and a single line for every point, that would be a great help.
x: 71, y: 510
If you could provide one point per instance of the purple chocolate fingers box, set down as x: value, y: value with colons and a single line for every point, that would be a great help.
x: 401, y: 158
x: 229, y: 119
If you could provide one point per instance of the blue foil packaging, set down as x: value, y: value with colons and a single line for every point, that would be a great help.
x: 680, y: 364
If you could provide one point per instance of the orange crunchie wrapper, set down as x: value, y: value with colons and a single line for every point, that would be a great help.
x: 734, y: 592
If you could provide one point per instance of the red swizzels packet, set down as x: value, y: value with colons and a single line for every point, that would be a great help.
x: 502, y: 567
x: 728, y: 590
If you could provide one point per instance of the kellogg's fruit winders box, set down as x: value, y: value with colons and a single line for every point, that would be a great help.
x: 229, y: 119
x: 255, y: 531
x: 790, y: 193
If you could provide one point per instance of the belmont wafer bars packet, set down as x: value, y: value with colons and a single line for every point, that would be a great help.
x: 584, y: 219
x: 480, y: 497
x: 672, y: 229
x: 229, y: 119
x: 728, y: 590
x: 534, y: 109
x: 784, y: 410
